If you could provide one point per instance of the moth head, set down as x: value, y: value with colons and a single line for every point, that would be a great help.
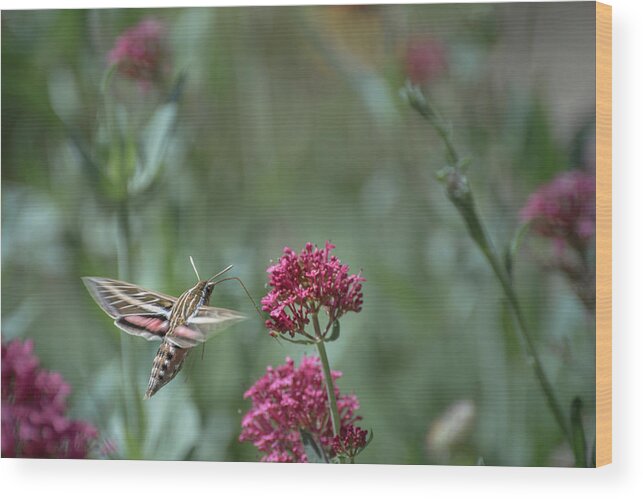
x: 213, y: 279
x: 209, y: 285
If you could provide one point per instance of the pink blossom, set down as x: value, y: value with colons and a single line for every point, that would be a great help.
x: 140, y: 53
x: 425, y: 60
x: 564, y: 210
x: 33, y: 410
x: 287, y: 399
x: 306, y: 283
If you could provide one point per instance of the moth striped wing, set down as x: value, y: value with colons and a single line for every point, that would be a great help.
x: 135, y: 310
x: 206, y: 323
x: 118, y: 298
x: 151, y: 327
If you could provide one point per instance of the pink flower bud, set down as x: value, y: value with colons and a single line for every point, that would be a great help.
x: 564, y: 210
x: 425, y: 60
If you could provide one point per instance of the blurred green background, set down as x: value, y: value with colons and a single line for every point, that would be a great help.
x: 290, y: 128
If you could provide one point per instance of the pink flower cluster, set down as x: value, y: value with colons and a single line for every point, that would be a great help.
x: 287, y: 399
x: 425, y: 60
x: 140, y: 52
x: 565, y: 209
x: 304, y: 283
x: 33, y: 410
x: 350, y: 441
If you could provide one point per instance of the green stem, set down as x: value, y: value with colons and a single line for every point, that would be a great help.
x: 134, y: 415
x: 578, y: 434
x: 445, y: 134
x: 124, y: 242
x: 330, y: 389
x: 490, y: 254
x: 461, y: 196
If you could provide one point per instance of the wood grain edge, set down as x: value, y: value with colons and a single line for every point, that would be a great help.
x: 603, y: 234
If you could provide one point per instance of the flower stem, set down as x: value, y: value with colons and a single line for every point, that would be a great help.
x: 135, y: 416
x: 461, y: 196
x: 490, y: 254
x: 124, y: 242
x: 330, y: 389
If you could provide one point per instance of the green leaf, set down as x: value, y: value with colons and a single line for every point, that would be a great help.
x: 368, y: 441
x: 148, y: 430
x: 314, y: 451
x: 578, y: 434
x: 82, y: 148
x: 177, y: 89
x: 334, y: 334
x: 465, y: 163
x: 121, y: 160
x: 513, y: 341
x: 541, y: 153
x: 154, y: 143
x: 296, y: 342
x: 514, y: 246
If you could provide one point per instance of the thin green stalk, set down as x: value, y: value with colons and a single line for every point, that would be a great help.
x: 330, y: 389
x: 492, y: 257
x: 122, y: 259
x: 124, y: 242
x: 135, y: 416
x: 460, y: 194
x: 578, y: 434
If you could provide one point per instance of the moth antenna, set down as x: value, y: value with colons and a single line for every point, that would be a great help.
x: 242, y: 285
x: 220, y: 273
x: 194, y: 267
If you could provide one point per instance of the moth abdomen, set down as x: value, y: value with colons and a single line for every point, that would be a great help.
x: 167, y: 364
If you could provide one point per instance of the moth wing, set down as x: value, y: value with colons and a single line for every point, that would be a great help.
x: 151, y: 327
x: 206, y: 323
x: 120, y: 298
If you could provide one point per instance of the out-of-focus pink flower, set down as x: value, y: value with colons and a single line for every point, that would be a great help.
x: 565, y: 209
x: 287, y: 399
x: 140, y: 53
x: 350, y: 441
x: 33, y: 410
x: 425, y: 60
x: 306, y: 283
x: 565, y: 212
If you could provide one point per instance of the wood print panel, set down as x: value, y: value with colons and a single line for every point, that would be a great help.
x: 180, y: 185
